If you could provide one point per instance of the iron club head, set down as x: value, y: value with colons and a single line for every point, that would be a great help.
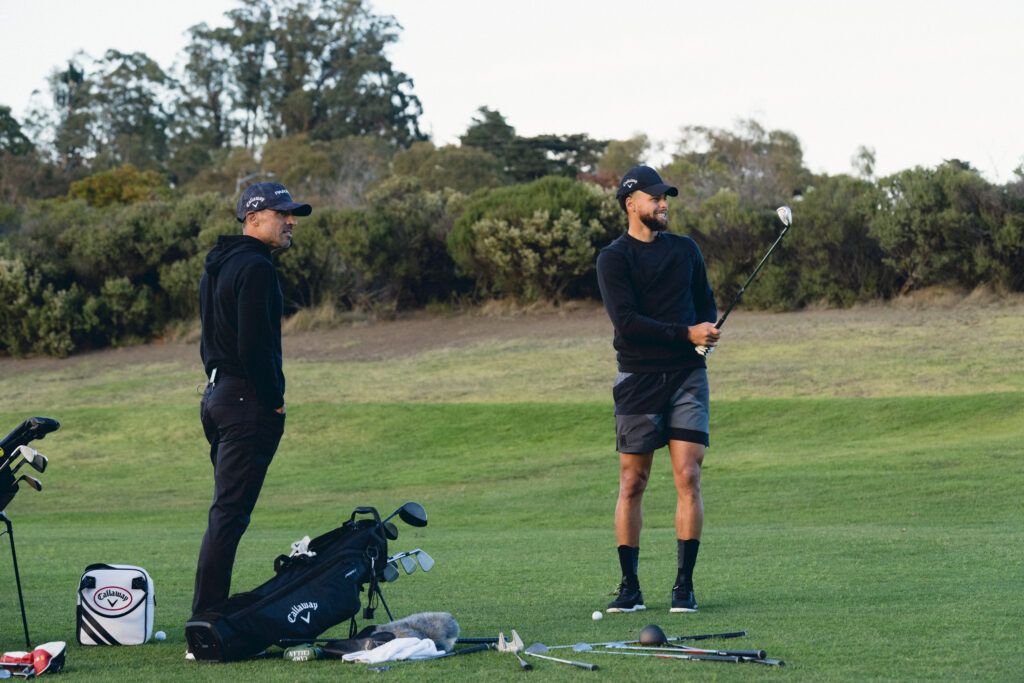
x: 31, y: 481
x: 425, y: 560
x: 785, y: 215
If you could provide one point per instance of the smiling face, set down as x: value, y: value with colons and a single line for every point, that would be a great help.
x: 273, y: 228
x: 648, y: 210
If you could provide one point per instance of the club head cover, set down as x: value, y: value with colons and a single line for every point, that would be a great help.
x: 49, y: 657
x: 439, y: 627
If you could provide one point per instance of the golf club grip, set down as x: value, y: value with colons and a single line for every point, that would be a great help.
x: 489, y: 639
x: 733, y: 634
x: 476, y: 648
x: 751, y: 654
x: 523, y: 664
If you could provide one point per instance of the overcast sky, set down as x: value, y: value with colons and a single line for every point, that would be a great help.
x: 919, y: 81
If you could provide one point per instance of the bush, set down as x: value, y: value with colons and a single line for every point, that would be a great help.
x: 538, y: 240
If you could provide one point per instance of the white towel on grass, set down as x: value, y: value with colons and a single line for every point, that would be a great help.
x: 395, y: 650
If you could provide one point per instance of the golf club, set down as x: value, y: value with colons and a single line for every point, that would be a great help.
x: 701, y: 658
x: 538, y: 650
x: 754, y: 654
x: 31, y: 481
x: 411, y: 513
x: 704, y: 636
x: 786, y: 216
x: 31, y: 456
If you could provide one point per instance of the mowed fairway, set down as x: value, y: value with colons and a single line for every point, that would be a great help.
x: 864, y: 515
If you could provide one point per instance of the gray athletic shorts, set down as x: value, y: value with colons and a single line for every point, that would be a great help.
x: 653, y: 407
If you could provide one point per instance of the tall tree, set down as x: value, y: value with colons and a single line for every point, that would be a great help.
x: 131, y: 99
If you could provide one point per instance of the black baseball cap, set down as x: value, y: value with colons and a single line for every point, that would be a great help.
x: 644, y: 178
x: 268, y: 196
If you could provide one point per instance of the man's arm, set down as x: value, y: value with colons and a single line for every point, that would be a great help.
x: 620, y: 302
x: 256, y: 330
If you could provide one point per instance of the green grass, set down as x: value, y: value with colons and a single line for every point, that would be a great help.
x: 869, y: 530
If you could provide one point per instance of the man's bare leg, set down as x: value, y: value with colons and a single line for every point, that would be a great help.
x: 687, y: 459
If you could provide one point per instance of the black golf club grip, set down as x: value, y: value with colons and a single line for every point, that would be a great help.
x: 489, y: 639
x: 751, y: 654
x: 732, y: 634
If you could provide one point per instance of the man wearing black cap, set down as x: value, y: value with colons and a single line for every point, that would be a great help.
x: 656, y: 292
x: 243, y: 411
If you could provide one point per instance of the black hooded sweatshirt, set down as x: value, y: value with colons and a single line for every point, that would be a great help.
x: 240, y: 304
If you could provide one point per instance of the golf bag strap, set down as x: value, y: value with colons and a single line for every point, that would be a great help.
x: 93, y: 629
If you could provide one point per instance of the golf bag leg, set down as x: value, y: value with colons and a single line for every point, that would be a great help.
x: 17, y: 580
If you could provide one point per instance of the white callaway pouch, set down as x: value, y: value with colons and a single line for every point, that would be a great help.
x: 115, y: 605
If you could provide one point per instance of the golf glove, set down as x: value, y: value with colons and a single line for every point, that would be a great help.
x: 302, y: 548
x: 705, y: 350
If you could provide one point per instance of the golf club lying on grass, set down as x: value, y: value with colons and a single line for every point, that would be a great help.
x: 539, y: 650
x: 786, y: 216
x: 755, y: 654
x: 513, y: 646
x: 655, y: 641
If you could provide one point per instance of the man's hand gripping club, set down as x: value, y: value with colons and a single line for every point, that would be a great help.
x: 705, y: 337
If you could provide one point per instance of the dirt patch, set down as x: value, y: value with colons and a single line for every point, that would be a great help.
x: 363, y: 341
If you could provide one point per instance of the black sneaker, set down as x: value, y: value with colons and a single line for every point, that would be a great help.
x: 683, y: 600
x: 629, y: 599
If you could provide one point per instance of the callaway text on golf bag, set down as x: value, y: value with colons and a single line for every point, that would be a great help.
x: 309, y: 593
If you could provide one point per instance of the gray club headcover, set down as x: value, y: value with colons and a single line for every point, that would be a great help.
x: 439, y: 627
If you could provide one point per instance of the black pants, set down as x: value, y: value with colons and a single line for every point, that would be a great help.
x: 243, y: 435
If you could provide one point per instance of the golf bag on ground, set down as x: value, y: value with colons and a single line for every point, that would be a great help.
x: 115, y: 605
x: 309, y: 593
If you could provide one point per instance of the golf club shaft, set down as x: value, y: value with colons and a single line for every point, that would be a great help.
x: 708, y: 658
x: 721, y: 321
x: 755, y: 654
x: 581, y: 665
x: 706, y: 636
x: 703, y: 636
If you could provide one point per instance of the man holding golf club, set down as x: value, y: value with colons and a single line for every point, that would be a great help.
x: 655, y: 289
x: 242, y: 410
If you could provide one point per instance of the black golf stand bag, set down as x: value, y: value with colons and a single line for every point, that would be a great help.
x: 30, y: 429
x: 309, y: 593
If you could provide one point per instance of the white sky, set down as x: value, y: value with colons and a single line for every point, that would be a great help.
x: 920, y: 81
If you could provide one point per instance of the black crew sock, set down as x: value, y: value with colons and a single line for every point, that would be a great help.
x: 686, y: 551
x: 629, y: 560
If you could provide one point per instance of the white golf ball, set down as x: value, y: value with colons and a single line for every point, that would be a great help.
x: 597, y: 616
x: 160, y: 635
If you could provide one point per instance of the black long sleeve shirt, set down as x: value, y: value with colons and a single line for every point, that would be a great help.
x: 653, y: 291
x: 240, y: 304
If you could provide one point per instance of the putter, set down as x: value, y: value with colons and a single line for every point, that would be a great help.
x: 786, y: 216
x: 514, y: 646
x: 539, y: 650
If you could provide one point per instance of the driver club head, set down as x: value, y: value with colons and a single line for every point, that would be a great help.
x: 31, y: 481
x: 413, y: 514
x: 785, y: 215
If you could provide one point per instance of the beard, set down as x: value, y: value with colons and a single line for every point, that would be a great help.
x: 654, y: 223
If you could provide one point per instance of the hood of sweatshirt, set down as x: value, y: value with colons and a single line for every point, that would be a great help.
x: 232, y: 245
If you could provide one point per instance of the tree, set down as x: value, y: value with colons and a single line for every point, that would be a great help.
x: 764, y: 168
x: 525, y: 159
x: 124, y: 185
x: 12, y: 140
x: 464, y: 169
x: 130, y: 93
x: 621, y: 155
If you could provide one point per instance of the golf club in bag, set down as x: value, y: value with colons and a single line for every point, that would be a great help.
x: 311, y: 591
x: 12, y: 447
x: 786, y: 216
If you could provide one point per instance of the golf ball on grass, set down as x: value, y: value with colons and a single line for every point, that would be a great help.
x: 159, y: 635
x: 597, y: 616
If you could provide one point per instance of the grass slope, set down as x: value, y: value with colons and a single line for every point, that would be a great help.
x: 856, y: 538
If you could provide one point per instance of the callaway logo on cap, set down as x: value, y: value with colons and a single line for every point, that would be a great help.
x: 644, y: 178
x: 268, y: 196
